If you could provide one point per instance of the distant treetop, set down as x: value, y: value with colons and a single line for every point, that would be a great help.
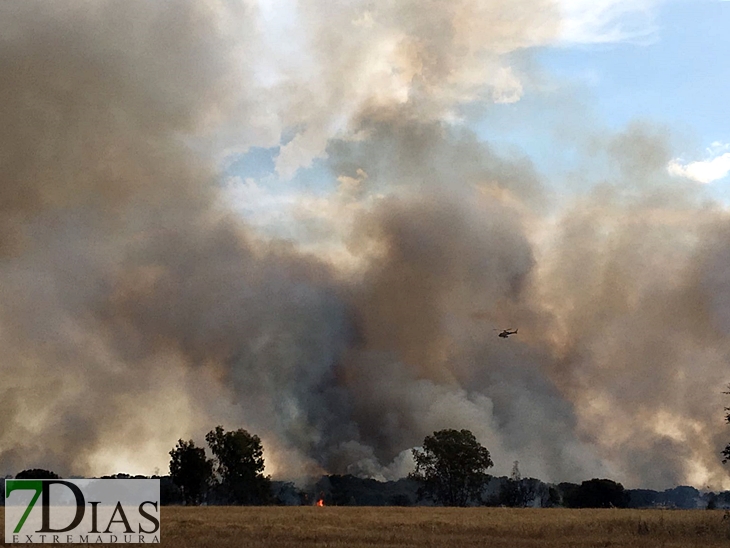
x: 37, y: 473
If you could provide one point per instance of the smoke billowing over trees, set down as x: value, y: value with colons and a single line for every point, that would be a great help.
x: 149, y: 291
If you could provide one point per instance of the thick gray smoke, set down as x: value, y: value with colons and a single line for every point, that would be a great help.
x: 137, y: 307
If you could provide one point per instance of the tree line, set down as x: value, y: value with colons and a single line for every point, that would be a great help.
x: 451, y: 469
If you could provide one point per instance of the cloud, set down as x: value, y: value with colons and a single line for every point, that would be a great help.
x: 705, y: 171
x: 608, y: 21
x: 431, y: 56
x: 316, y: 69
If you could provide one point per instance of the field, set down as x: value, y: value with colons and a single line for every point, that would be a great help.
x: 441, y: 527
x: 284, y: 527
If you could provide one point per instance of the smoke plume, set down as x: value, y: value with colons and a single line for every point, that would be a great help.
x: 138, y: 306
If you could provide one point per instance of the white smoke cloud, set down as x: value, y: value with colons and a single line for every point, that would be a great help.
x: 608, y: 21
x: 714, y: 168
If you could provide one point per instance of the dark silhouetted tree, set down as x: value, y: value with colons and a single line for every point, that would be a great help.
x: 37, y: 473
x: 169, y: 492
x: 452, y: 468
x: 597, y: 493
x: 553, y: 498
x: 240, y: 465
x: 517, y: 492
x: 568, y: 493
x: 191, y: 471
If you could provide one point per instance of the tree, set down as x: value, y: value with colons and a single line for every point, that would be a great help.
x: 191, y: 471
x: 553, y: 498
x: 517, y: 492
x: 597, y: 493
x: 240, y: 465
x: 37, y: 473
x: 568, y: 492
x: 452, y: 467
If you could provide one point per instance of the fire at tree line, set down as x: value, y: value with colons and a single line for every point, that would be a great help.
x: 450, y: 470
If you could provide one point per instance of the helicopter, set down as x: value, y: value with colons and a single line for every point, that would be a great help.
x: 504, y: 333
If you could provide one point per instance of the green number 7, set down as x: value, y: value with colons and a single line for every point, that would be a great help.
x: 17, y: 485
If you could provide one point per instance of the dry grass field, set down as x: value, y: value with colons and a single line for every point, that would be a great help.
x: 340, y: 527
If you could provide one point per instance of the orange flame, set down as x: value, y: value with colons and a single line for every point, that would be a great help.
x: 320, y: 502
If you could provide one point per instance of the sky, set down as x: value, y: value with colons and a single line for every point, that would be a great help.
x: 673, y: 74
x: 308, y: 219
x: 613, y: 63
